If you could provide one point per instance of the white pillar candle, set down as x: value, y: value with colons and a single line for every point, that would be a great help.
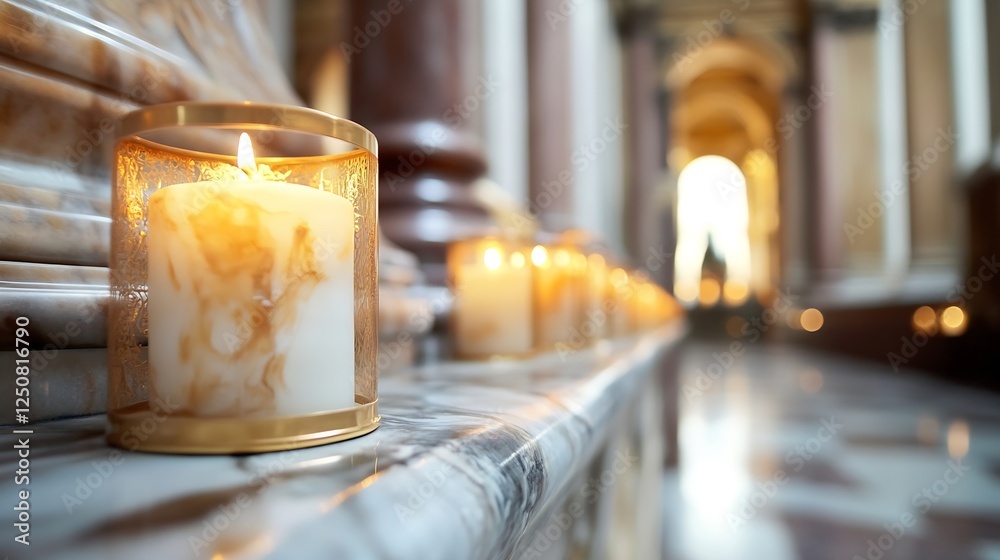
x: 251, y: 298
x: 597, y: 296
x: 558, y: 296
x: 493, y: 306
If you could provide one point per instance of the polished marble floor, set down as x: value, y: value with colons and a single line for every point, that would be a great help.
x: 791, y: 454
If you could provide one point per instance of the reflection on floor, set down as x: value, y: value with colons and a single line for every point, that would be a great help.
x: 788, y: 454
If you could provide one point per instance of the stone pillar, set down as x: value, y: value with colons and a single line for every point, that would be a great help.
x: 645, y: 156
x: 550, y: 133
x: 414, y: 84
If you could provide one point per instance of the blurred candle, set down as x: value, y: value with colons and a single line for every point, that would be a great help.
x: 559, y: 295
x: 618, y: 286
x: 492, y: 314
x: 597, y: 295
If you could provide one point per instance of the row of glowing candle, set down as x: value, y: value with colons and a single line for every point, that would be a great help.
x: 514, y: 298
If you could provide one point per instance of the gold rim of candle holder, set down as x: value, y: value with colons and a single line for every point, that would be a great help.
x: 192, y: 113
x: 496, y: 356
x: 137, y: 428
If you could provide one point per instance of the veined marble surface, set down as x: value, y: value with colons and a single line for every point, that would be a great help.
x: 472, y: 460
x: 793, y: 454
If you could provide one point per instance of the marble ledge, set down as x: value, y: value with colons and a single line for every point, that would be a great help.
x: 469, y: 461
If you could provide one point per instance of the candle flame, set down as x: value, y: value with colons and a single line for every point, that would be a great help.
x: 619, y: 277
x: 539, y: 255
x: 244, y: 156
x: 517, y: 260
x: 492, y: 258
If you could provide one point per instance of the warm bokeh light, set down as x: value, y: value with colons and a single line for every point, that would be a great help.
x: 561, y: 258
x: 709, y: 292
x: 539, y: 255
x: 811, y: 320
x: 579, y: 262
x: 686, y: 292
x: 925, y: 320
x: 517, y: 259
x: 596, y: 261
x: 952, y: 321
x: 735, y: 292
x: 619, y: 277
x: 492, y: 258
x: 958, y: 439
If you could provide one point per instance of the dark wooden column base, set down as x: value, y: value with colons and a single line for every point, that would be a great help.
x: 410, y: 85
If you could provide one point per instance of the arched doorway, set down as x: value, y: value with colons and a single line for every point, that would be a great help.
x: 712, y: 209
x: 726, y: 101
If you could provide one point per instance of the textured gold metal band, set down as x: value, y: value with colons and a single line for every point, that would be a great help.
x: 137, y: 428
x: 196, y: 113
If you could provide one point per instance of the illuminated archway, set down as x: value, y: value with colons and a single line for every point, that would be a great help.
x: 725, y: 101
x: 712, y: 208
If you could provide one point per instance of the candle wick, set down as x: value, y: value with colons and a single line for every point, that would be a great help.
x: 250, y: 172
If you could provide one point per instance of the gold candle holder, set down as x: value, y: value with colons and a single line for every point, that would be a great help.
x: 492, y: 282
x: 244, y: 280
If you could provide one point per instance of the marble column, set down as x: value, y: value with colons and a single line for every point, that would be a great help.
x: 413, y: 82
x: 645, y: 157
x: 848, y: 164
x: 550, y: 129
